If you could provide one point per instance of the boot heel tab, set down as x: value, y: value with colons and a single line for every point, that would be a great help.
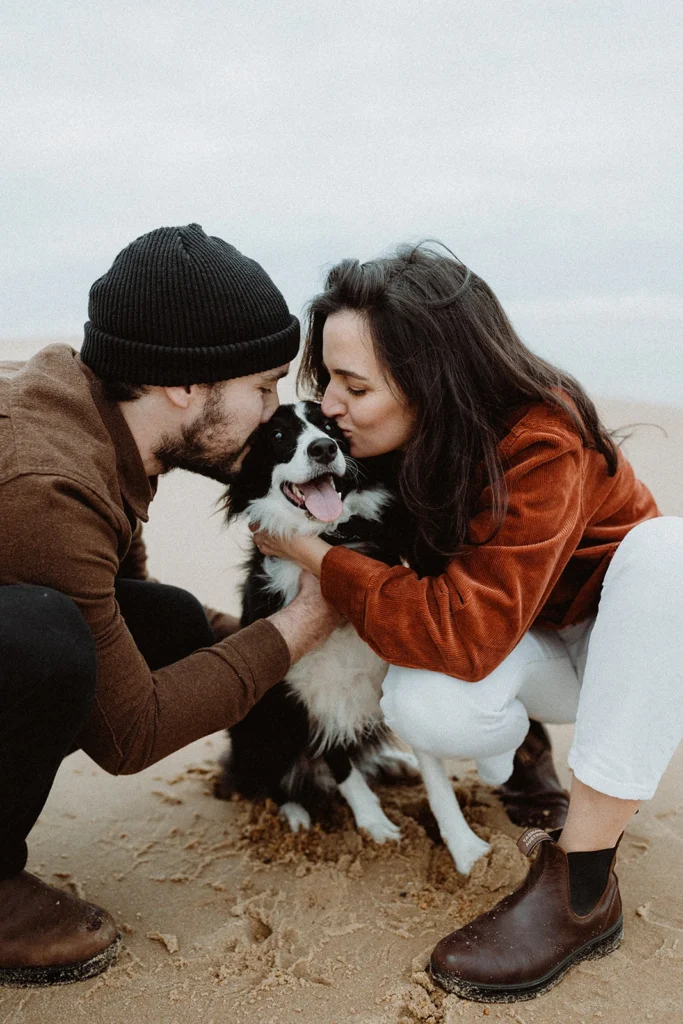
x: 530, y: 839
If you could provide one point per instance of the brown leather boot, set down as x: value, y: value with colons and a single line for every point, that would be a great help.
x: 528, y: 941
x: 533, y: 796
x: 48, y: 937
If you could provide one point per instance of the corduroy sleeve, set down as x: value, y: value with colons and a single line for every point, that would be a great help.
x: 466, y: 621
x: 140, y: 716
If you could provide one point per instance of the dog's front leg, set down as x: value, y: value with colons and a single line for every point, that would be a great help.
x: 364, y: 804
x: 465, y: 847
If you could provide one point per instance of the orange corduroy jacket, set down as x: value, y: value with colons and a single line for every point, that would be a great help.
x: 544, y: 568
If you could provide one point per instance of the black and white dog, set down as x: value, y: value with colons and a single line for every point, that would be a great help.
x: 322, y: 727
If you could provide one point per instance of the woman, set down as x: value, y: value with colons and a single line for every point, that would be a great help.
x: 540, y: 581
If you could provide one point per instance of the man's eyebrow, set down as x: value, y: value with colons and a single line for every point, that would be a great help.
x: 351, y: 373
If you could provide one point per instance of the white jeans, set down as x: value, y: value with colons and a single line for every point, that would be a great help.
x: 619, y: 676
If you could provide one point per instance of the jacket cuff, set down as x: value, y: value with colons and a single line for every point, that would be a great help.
x: 345, y: 578
x: 266, y: 655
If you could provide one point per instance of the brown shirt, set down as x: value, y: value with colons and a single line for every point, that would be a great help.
x: 73, y: 492
x: 545, y: 567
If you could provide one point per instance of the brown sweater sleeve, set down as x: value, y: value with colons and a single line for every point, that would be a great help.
x: 133, y: 566
x: 140, y: 716
x: 466, y: 621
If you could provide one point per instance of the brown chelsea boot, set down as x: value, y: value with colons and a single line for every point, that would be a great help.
x: 533, y: 796
x: 528, y: 941
x: 49, y: 937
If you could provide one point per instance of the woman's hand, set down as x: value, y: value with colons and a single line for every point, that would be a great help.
x: 308, y: 552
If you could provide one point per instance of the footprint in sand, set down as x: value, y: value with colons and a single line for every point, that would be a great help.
x: 663, y: 914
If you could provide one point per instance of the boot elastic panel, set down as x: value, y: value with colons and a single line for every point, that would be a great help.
x: 588, y: 874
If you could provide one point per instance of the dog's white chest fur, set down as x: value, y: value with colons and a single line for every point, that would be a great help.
x: 340, y: 682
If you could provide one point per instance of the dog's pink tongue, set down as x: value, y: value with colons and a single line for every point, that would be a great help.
x: 321, y: 499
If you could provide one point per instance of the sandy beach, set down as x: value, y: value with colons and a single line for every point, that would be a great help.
x: 228, y: 917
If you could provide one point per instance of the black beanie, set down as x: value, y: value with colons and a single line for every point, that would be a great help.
x: 181, y: 307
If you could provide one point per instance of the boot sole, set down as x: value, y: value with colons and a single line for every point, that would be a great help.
x: 61, y: 974
x: 603, y: 945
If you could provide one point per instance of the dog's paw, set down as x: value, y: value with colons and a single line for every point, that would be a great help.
x: 466, y: 852
x: 381, y: 829
x: 296, y: 816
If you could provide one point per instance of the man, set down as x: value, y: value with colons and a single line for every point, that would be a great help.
x: 186, y: 341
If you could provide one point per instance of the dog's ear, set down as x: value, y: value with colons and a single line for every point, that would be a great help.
x: 233, y: 501
x: 251, y: 482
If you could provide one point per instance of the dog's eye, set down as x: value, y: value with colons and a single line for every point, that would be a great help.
x: 328, y: 427
x: 277, y: 435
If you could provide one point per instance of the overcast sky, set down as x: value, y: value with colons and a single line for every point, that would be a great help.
x: 540, y: 140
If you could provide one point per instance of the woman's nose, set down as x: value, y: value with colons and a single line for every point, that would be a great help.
x: 331, y: 406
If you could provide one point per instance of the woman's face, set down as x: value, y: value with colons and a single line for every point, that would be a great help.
x: 375, y: 417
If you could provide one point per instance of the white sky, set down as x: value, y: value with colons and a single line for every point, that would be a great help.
x: 540, y: 140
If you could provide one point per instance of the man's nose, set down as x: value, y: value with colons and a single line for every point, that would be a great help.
x: 323, y: 450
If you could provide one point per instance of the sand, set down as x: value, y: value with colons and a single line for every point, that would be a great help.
x: 226, y: 916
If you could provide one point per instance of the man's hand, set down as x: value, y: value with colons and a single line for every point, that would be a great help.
x: 308, y: 620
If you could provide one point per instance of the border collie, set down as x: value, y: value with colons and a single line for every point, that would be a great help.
x: 321, y: 728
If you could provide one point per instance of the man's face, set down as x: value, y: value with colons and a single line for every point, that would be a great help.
x: 215, y: 441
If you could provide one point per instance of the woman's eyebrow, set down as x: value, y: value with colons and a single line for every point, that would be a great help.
x: 351, y: 373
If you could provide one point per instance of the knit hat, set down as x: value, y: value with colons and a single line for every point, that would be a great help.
x: 181, y: 307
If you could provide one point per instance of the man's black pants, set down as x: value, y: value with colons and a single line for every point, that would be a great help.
x: 48, y: 677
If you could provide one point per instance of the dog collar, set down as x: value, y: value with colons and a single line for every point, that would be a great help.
x: 355, y: 529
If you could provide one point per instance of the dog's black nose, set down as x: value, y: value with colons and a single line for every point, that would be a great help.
x: 323, y: 450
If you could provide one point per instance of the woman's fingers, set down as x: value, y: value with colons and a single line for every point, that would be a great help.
x: 261, y: 542
x: 266, y: 544
x: 261, y: 538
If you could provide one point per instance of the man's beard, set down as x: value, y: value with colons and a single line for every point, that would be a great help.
x: 193, y: 449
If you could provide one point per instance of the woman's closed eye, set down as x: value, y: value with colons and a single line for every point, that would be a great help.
x: 356, y: 391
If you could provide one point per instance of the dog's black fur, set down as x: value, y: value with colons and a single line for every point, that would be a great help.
x: 273, y: 750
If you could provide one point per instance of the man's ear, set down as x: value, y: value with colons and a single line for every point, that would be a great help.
x: 182, y: 396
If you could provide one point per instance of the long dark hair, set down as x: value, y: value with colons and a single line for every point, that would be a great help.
x: 441, y: 335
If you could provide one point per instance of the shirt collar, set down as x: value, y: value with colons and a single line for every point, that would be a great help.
x: 136, y: 487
